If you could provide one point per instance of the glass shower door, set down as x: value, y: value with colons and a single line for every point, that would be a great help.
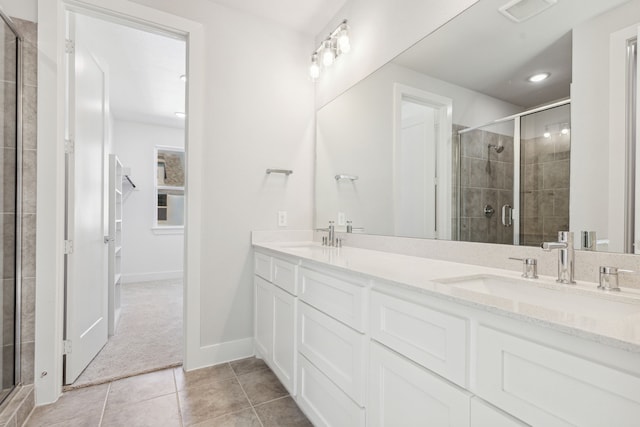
x: 544, y: 156
x: 486, y: 196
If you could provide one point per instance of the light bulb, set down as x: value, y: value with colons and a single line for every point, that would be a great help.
x: 547, y: 134
x: 328, y: 54
x: 314, y: 69
x: 344, y: 44
x: 564, y: 131
x: 536, y: 78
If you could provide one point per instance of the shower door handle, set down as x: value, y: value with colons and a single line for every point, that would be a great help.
x: 507, y: 215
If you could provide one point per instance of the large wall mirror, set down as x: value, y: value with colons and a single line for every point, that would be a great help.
x: 506, y: 125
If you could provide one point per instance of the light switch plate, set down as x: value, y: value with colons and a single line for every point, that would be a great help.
x: 342, y: 220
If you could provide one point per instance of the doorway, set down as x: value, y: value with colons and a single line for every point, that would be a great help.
x: 422, y: 161
x: 123, y: 270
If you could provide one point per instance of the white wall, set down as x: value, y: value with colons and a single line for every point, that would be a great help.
x: 145, y: 255
x: 597, y: 135
x: 23, y: 9
x: 380, y: 30
x: 355, y: 137
x: 259, y: 115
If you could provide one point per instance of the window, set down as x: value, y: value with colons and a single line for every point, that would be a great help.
x: 169, y: 179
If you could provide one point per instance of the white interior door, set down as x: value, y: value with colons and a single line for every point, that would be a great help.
x: 86, y: 279
x: 415, y: 172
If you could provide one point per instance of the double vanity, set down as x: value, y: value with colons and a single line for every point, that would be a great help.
x: 362, y: 337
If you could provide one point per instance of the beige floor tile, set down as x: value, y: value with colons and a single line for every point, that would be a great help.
x: 141, y: 387
x: 89, y: 421
x: 282, y: 413
x: 219, y: 398
x: 85, y: 403
x: 201, y: 377
x: 262, y: 386
x: 246, y: 366
x: 246, y: 418
x: 160, y: 411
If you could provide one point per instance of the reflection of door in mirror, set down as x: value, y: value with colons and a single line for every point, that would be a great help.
x: 421, y: 153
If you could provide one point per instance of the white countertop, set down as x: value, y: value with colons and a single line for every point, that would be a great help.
x: 427, y: 276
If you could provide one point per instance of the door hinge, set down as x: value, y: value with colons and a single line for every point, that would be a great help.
x: 68, y: 247
x: 66, y: 347
x: 69, y: 46
x: 69, y: 146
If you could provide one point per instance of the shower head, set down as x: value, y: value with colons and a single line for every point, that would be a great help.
x: 498, y: 148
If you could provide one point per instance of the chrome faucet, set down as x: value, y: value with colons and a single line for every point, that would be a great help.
x: 566, y: 252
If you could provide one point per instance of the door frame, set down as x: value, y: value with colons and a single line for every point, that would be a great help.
x: 444, y: 114
x: 51, y: 176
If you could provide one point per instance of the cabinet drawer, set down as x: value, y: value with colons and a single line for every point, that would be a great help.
x: 335, y: 296
x: 323, y: 402
x: 285, y: 275
x: 335, y: 349
x: 545, y: 386
x: 485, y: 415
x: 402, y: 393
x: 435, y: 340
x: 262, y: 265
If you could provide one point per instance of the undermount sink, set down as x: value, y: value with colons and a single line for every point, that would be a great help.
x: 555, y: 297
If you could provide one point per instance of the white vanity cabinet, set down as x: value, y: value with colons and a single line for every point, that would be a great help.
x: 275, y: 316
x: 358, y: 350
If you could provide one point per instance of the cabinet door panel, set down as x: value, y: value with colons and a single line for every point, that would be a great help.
x: 545, y: 386
x: 335, y: 296
x: 403, y: 393
x: 263, y: 326
x: 262, y: 265
x: 323, y: 402
x: 284, y: 336
x: 285, y: 275
x: 436, y: 340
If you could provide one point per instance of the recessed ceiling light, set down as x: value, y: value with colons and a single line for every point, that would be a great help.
x: 539, y: 77
x: 181, y: 114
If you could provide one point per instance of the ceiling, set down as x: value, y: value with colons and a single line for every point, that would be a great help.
x: 308, y: 16
x: 484, y: 51
x: 144, y: 70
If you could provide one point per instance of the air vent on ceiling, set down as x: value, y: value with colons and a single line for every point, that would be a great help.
x: 521, y: 10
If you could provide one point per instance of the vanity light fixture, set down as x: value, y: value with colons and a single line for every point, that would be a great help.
x: 565, y: 129
x: 330, y: 49
x: 536, y: 78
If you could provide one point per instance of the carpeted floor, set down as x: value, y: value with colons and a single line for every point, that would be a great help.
x: 148, y: 337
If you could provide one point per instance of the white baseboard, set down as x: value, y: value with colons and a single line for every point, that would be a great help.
x: 150, y: 277
x: 220, y: 353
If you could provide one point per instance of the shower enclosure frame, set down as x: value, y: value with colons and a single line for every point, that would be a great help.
x: 18, y: 207
x: 516, y: 164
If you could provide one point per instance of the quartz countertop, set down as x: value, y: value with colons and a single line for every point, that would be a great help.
x: 430, y: 276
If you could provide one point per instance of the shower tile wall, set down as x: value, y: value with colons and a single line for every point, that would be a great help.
x: 486, y: 178
x: 545, y: 179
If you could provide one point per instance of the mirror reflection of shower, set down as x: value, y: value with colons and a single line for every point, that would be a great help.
x: 520, y: 166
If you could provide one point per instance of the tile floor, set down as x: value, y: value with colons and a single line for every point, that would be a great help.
x: 240, y: 393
